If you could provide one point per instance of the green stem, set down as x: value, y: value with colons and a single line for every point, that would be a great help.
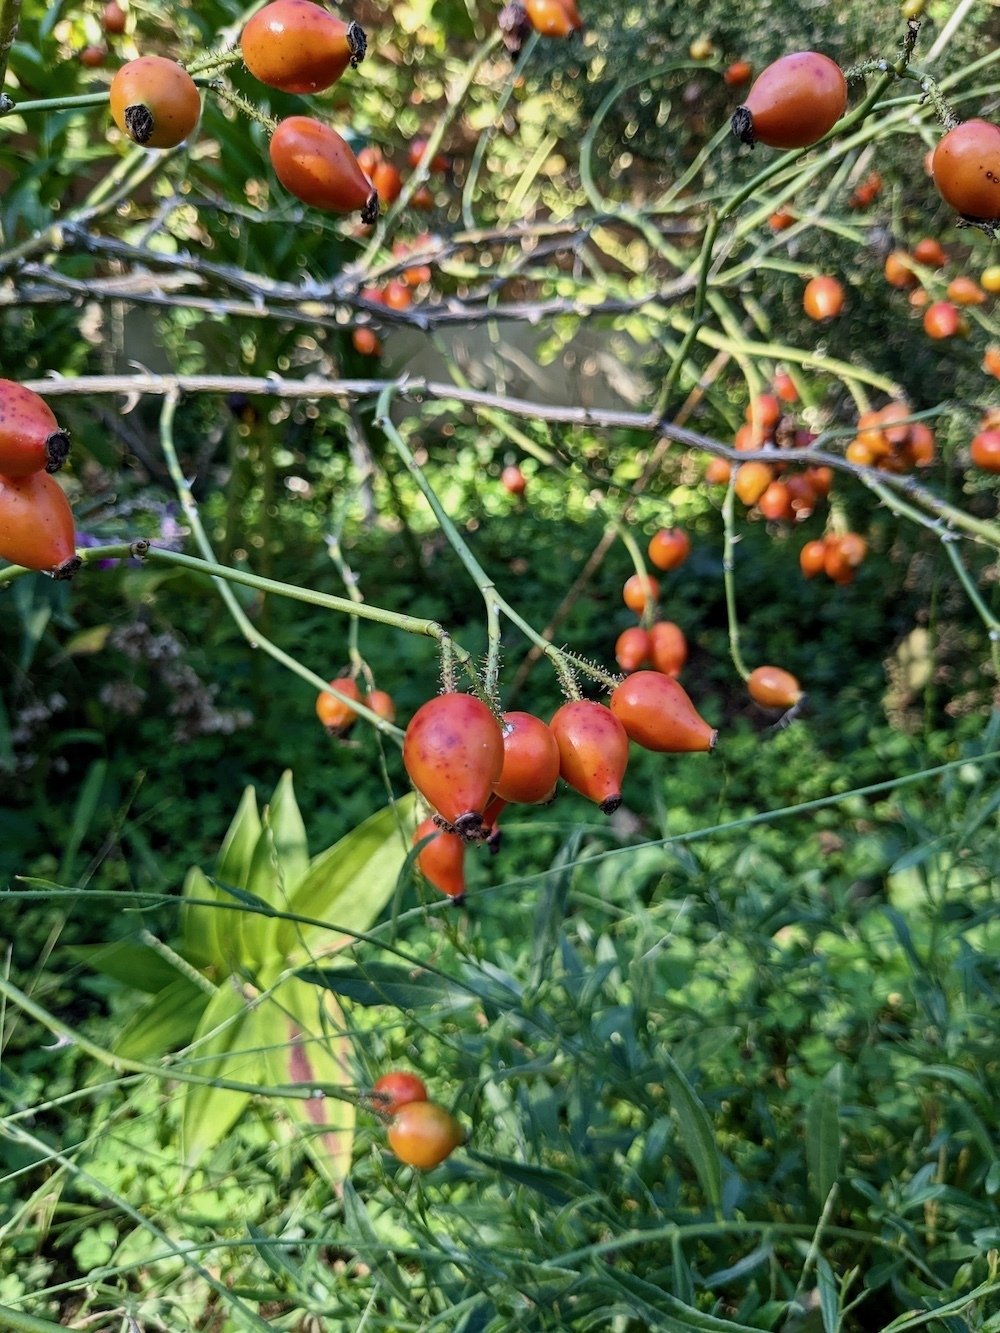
x: 728, y: 576
x: 67, y: 103
x: 486, y: 138
x: 18, y: 1322
x: 246, y: 626
x: 494, y: 602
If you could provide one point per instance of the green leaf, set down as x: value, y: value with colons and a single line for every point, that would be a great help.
x: 87, y: 802
x: 362, y: 1236
x: 132, y: 964
x: 224, y: 1046
x: 384, y: 983
x: 829, y: 1297
x: 164, y: 1023
x: 233, y: 862
x: 823, y: 1136
x: 697, y: 1134
x: 206, y: 930
x: 302, y: 1031
x: 349, y: 884
x: 289, y: 833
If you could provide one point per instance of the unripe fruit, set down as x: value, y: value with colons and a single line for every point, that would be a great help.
x: 154, y: 101
x: 773, y: 687
x: 593, y: 751
x: 299, y: 47
x: 36, y: 524
x: 657, y: 714
x: 442, y: 861
x: 423, y: 1134
x: 530, y: 760
x: 337, y: 715
x: 453, y: 752
x: 793, y: 102
x: 314, y: 163
x: 30, y: 438
x: 395, y: 1089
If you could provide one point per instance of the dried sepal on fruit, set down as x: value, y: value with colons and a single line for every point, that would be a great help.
x: 793, y: 102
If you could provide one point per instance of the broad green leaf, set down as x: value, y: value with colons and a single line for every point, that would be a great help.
x: 232, y: 865
x: 165, y: 1022
x: 823, y: 1136
x: 289, y: 833
x: 301, y: 1028
x: 696, y: 1133
x: 224, y: 1046
x: 349, y: 884
x: 126, y: 961
x: 204, y: 925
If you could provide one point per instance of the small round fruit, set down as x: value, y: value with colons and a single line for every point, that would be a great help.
x: 299, y: 47
x: 530, y: 760
x: 336, y: 714
x: 668, y: 648
x: 718, y: 471
x: 442, y: 860
x: 898, y: 270
x: 702, y: 48
x: 793, y: 102
x: 942, y: 320
x: 823, y: 298
x: 752, y: 480
x: 453, y: 753
x: 388, y: 183
x: 422, y: 199
x: 930, y: 252
x: 382, y: 705
x: 593, y: 751
x: 396, y: 1089
x: 632, y: 648
x: 738, y: 73
x: 964, y: 290
x: 990, y: 279
x: 966, y: 169
x: 93, y: 57
x: 423, y: 1134
x: 30, y: 438
x: 657, y: 714
x: 776, y: 503
x: 36, y: 524
x: 991, y: 360
x: 553, y: 18
x: 154, y: 101
x: 985, y: 450
x: 314, y: 163
x: 811, y: 558
x: 784, y: 387
x: 365, y: 341
x: 781, y: 220
x: 113, y: 19
x: 669, y: 548
x: 513, y: 480
x: 773, y: 687
x: 763, y: 412
x: 639, y: 591
x: 397, y: 295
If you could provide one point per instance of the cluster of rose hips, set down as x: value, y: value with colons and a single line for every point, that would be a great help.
x: 837, y: 555
x: 662, y: 645
x: 780, y: 493
x: 469, y: 764
x: 36, y: 522
x: 333, y: 706
x: 887, y: 440
x: 421, y: 1133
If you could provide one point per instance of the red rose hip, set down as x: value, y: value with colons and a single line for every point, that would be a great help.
x: 453, y: 752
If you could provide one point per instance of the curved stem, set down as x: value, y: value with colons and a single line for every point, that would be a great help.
x: 729, y: 579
